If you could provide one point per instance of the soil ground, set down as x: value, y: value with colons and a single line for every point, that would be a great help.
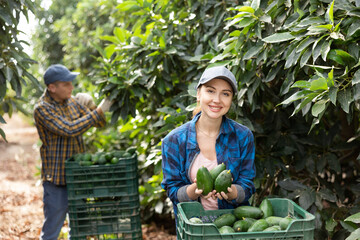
x: 21, y: 213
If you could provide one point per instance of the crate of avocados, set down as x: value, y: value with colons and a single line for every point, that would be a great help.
x: 274, y: 218
x: 105, y: 218
x: 107, y: 174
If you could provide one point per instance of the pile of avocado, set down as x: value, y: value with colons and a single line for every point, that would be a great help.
x: 102, y: 158
x: 249, y: 219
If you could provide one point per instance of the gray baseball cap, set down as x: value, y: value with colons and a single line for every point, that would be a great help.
x: 58, y: 72
x: 218, y: 72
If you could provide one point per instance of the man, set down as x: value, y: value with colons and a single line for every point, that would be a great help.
x: 61, y: 120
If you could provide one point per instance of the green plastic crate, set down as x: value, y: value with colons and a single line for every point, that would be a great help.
x: 301, y: 228
x: 102, y: 180
x: 105, y: 218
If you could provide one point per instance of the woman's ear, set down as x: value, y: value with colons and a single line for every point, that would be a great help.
x: 198, y: 94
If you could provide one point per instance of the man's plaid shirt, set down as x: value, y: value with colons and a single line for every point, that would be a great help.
x: 60, y: 127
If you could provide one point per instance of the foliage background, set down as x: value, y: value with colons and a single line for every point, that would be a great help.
x: 297, y: 63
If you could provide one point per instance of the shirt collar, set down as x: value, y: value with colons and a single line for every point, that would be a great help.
x: 225, y: 128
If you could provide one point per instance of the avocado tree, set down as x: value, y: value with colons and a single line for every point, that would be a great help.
x: 14, y: 62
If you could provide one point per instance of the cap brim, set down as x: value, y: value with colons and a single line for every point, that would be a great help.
x: 70, y: 77
x: 203, y: 81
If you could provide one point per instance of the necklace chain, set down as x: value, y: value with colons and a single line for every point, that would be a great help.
x: 198, y: 127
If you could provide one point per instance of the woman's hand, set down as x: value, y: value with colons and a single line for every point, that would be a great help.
x: 231, y: 195
x: 193, y: 192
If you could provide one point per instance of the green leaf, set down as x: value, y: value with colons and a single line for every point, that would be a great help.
x: 3, y: 135
x: 120, y: 34
x: 278, y: 37
x: 128, y: 5
x: 354, y: 27
x: 305, y: 57
x: 325, y: 49
x: 252, y: 52
x: 110, y: 39
x: 355, y: 235
x: 331, y: 12
x: 319, y: 84
x: 333, y: 94
x: 305, y: 43
x: 304, y: 102
x: 2, y: 120
x: 344, y: 98
x: 330, y: 225
x: 301, y: 84
x: 109, y: 51
x: 318, y: 107
x: 245, y: 22
x: 314, y: 123
x: 355, y: 218
x: 335, y: 57
x: 255, y: 4
x: 246, y: 9
x: 295, y: 96
x: 291, y: 185
x: 327, y: 26
x: 307, y: 198
x: 5, y: 16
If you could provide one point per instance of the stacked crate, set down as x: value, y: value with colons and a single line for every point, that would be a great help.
x: 104, y: 200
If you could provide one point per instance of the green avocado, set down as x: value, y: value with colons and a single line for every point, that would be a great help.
x: 248, y: 212
x: 223, y: 181
x: 226, y: 219
x: 267, y: 208
x: 204, y: 180
x: 226, y: 229
x: 258, y: 226
x: 217, y: 170
x: 243, y: 225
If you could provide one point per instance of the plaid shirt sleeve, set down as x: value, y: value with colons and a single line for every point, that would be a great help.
x: 174, y: 176
x: 60, y: 128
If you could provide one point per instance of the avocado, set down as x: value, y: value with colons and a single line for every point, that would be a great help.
x: 285, y: 222
x: 267, y: 208
x: 226, y: 219
x: 195, y: 220
x: 258, y: 226
x: 226, y: 229
x: 217, y: 170
x: 204, y: 180
x: 243, y: 225
x: 248, y: 212
x: 223, y: 181
x: 273, y: 220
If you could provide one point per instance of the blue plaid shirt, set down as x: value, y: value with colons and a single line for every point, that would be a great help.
x: 234, y: 147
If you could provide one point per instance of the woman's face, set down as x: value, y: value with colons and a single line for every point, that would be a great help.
x: 215, y: 98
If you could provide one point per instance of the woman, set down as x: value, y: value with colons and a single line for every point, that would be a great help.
x: 209, y: 139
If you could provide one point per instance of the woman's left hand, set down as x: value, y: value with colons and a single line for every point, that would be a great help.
x: 231, y: 195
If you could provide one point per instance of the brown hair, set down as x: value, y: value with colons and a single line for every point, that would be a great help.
x: 197, y: 109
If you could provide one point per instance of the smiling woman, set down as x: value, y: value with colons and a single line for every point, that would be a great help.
x: 209, y: 140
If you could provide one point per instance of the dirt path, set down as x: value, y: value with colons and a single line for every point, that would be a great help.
x: 21, y: 213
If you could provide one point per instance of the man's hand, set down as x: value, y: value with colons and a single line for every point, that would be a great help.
x: 105, y: 105
x: 86, y: 100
